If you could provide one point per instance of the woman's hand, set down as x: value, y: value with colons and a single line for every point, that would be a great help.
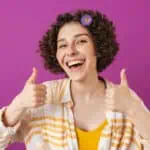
x: 121, y: 98
x: 32, y: 95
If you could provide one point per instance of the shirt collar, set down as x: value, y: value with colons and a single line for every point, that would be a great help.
x: 66, y: 95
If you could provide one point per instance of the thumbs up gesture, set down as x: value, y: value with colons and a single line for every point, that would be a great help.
x: 121, y: 98
x: 32, y: 95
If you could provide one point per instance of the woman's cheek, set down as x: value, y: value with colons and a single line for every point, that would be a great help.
x: 58, y: 57
x: 61, y: 60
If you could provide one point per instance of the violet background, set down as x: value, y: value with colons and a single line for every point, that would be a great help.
x: 23, y: 22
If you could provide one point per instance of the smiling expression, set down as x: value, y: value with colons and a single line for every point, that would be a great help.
x: 75, y: 45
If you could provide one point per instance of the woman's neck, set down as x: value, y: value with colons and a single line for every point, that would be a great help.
x: 88, y: 88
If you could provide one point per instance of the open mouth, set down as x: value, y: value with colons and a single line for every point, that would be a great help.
x: 76, y: 65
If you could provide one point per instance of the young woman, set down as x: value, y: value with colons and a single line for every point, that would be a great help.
x: 83, y: 111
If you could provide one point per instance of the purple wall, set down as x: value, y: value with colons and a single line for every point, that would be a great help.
x: 22, y: 24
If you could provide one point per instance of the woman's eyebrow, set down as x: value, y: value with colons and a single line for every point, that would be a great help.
x: 75, y: 36
x: 61, y: 40
x: 81, y: 34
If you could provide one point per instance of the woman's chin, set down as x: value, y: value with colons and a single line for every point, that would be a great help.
x: 77, y: 77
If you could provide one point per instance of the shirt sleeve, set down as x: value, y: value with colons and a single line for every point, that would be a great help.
x: 145, y: 142
x: 7, y: 134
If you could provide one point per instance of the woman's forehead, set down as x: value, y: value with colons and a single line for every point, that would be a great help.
x: 72, y: 30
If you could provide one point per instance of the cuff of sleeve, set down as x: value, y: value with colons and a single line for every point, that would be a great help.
x: 7, y: 131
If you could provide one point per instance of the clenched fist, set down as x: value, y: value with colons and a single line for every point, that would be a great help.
x: 121, y: 98
x: 32, y: 95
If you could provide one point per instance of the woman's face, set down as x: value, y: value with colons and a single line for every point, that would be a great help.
x: 75, y: 51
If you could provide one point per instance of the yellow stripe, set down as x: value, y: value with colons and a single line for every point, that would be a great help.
x: 114, y: 137
x: 51, y: 118
x: 61, y: 120
x: 121, y: 120
x: 119, y: 129
x: 126, y: 144
x: 55, y: 126
x: 118, y: 139
x: 47, y: 135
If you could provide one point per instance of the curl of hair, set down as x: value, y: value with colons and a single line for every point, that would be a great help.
x: 101, y: 29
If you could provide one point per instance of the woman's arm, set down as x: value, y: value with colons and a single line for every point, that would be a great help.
x: 15, y: 109
x: 33, y: 95
x: 122, y: 98
x: 8, y: 134
x: 140, y: 116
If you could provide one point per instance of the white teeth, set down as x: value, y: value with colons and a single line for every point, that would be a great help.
x: 75, y: 62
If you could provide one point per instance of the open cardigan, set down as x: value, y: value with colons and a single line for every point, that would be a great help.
x: 52, y: 126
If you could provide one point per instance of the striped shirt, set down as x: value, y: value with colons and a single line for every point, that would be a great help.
x: 52, y: 126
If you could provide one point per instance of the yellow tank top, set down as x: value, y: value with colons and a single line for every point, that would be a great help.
x: 88, y: 140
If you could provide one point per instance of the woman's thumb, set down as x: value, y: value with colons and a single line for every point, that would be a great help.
x: 33, y: 76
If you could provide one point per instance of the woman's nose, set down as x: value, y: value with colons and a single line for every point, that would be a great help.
x: 72, y: 50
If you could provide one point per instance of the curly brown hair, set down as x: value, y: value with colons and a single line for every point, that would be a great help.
x: 101, y: 29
